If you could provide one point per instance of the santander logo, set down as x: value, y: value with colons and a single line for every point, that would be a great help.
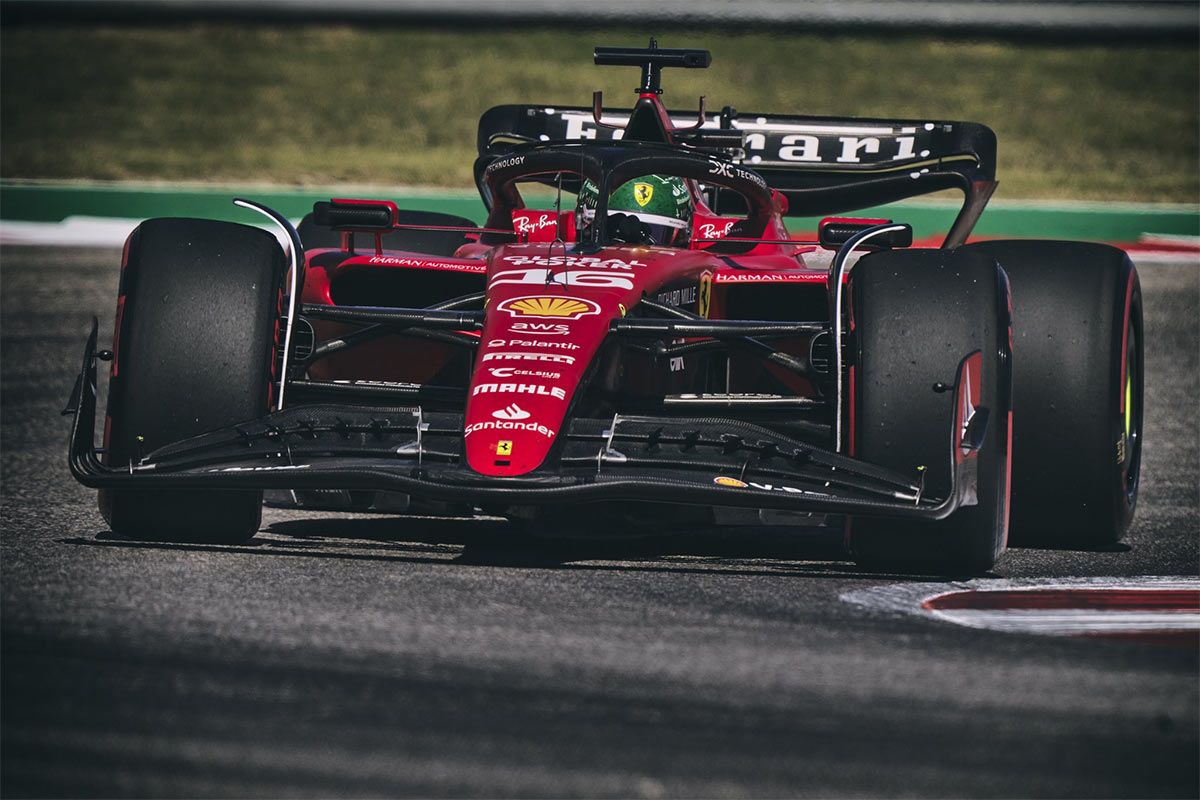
x: 512, y: 412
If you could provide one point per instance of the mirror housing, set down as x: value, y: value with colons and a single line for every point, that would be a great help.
x: 833, y: 232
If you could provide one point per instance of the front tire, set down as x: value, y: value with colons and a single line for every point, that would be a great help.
x: 197, y: 319
x: 915, y: 315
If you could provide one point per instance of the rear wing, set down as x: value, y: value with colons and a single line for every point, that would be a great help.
x: 823, y: 165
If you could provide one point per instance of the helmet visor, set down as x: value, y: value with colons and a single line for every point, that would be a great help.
x: 642, y: 228
x: 660, y: 230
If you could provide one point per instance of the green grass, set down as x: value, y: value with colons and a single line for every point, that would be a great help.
x: 329, y: 104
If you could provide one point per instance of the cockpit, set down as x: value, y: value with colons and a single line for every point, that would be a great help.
x: 589, y: 197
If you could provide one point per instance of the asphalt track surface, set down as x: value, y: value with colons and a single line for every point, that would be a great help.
x: 377, y: 656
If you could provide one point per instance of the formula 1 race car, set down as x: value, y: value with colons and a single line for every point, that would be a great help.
x: 634, y: 342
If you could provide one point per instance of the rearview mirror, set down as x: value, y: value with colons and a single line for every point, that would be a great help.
x: 833, y: 232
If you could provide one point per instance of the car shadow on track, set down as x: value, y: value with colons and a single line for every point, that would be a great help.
x: 494, y: 543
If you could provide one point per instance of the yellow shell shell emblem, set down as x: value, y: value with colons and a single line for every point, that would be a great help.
x: 549, y: 307
x: 642, y: 192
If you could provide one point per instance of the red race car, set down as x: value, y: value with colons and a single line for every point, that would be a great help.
x: 635, y: 342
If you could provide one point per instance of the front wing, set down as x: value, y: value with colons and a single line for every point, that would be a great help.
x: 699, y: 461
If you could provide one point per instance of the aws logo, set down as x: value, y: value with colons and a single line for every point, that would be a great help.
x: 540, y: 328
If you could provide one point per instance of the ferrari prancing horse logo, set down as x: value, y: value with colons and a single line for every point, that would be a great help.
x: 704, y: 300
x: 642, y: 192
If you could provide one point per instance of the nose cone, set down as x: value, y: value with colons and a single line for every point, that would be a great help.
x: 546, y: 316
x: 536, y: 347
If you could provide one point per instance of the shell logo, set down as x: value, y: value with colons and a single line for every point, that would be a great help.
x: 549, y: 307
x: 732, y: 482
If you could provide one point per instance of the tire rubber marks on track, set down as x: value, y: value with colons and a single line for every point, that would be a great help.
x: 1160, y: 609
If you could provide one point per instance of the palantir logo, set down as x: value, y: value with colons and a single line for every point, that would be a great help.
x: 513, y: 411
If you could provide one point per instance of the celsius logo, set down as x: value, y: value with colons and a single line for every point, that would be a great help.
x: 549, y: 307
x: 513, y: 372
x: 513, y: 412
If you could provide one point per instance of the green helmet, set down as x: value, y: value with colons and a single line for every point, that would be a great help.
x: 660, y: 205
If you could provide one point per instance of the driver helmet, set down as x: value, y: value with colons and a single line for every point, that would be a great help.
x: 652, y: 209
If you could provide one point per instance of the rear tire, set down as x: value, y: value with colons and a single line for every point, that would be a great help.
x: 197, y: 319
x: 437, y: 243
x: 1077, y: 455
x: 915, y: 315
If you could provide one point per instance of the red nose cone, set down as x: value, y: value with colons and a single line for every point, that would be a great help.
x: 534, y: 350
x: 546, y: 318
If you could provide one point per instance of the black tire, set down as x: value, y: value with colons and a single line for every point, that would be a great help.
x: 1076, y: 455
x: 437, y: 243
x: 916, y: 314
x: 197, y: 319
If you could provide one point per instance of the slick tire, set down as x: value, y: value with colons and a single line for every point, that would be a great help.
x: 1078, y: 379
x: 198, y: 314
x: 915, y: 314
x: 436, y: 243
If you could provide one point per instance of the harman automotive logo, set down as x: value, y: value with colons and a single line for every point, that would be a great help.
x: 549, y: 307
x: 512, y: 411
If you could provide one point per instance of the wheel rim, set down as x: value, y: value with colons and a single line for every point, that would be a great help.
x: 1132, y: 428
